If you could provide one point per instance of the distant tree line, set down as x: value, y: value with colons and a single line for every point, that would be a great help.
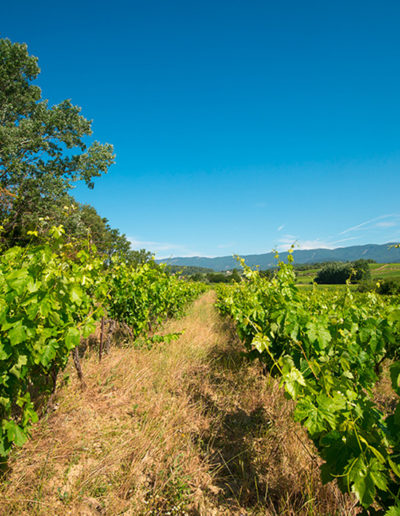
x: 187, y: 270
x: 318, y: 265
x: 204, y: 274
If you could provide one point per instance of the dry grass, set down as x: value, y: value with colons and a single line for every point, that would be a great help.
x: 384, y: 395
x: 184, y: 428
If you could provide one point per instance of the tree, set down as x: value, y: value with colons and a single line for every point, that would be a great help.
x: 82, y: 222
x: 218, y: 277
x: 42, y: 148
x: 109, y: 241
x: 334, y: 274
x: 236, y: 277
x: 362, y: 271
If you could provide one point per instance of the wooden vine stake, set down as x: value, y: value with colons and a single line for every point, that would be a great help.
x: 75, y: 355
x: 101, y: 339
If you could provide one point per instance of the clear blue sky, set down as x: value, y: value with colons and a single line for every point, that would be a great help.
x: 238, y: 126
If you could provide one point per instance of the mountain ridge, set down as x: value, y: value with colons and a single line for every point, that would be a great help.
x: 381, y: 253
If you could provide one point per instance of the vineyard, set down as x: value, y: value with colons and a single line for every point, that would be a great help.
x: 328, y: 350
x: 130, y: 385
x: 52, y: 297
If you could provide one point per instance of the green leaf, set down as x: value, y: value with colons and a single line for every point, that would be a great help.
x: 395, y: 467
x: 317, y: 333
x: 364, y: 489
x: 4, y: 450
x: 88, y: 328
x: 5, y: 402
x: 76, y: 294
x: 261, y: 343
x: 15, y: 433
x: 394, y: 316
x: 294, y: 380
x: 308, y: 414
x: 16, y: 369
x: 17, y: 280
x: 72, y: 338
x: 17, y: 334
x: 365, y: 478
x: 395, y: 376
x: 49, y: 352
x: 3, y: 354
x: 55, y: 319
x: 376, y: 471
x: 45, y: 306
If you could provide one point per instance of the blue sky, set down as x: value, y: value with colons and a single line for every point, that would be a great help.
x: 238, y: 126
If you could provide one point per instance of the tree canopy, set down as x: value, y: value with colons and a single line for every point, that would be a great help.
x: 339, y: 273
x: 43, y: 149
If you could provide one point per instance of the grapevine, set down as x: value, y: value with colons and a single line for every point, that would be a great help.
x: 328, y: 350
x: 51, y: 297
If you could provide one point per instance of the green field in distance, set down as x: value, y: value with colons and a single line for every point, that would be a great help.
x: 378, y: 271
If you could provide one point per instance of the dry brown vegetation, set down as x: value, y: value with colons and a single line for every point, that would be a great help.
x: 188, y: 427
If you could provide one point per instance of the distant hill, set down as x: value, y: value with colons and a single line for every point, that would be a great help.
x: 380, y: 253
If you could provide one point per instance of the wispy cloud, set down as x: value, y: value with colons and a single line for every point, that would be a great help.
x: 342, y: 240
x: 286, y: 242
x: 384, y: 228
x: 388, y: 224
x: 374, y: 226
x: 394, y: 220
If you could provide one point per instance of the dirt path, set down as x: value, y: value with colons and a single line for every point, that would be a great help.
x: 187, y: 427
